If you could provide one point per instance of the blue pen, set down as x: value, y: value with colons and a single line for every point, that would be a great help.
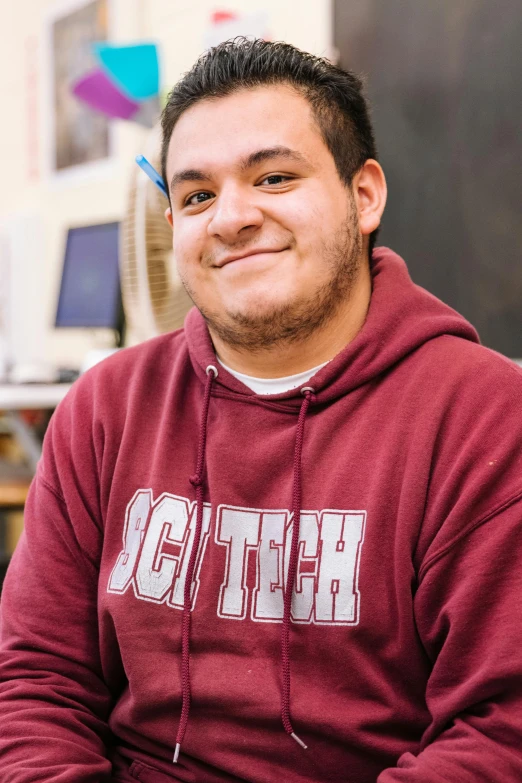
x: 151, y: 172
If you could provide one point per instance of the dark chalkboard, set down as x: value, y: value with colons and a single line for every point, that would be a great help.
x: 444, y: 78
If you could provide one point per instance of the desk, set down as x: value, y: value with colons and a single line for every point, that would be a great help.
x: 30, y: 396
x: 34, y: 396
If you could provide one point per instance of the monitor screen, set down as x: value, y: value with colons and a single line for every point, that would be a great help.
x: 90, y: 294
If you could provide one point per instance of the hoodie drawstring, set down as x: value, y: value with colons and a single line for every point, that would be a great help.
x: 197, y: 481
x: 307, y: 391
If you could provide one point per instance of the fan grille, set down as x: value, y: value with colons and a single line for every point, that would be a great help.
x: 154, y: 298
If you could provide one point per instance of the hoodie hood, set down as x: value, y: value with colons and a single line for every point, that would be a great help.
x: 402, y: 317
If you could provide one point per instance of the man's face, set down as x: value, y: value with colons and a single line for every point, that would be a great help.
x: 265, y: 234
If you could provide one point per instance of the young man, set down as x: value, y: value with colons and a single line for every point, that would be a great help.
x: 283, y: 543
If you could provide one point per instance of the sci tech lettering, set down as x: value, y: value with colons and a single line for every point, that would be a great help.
x: 158, y: 536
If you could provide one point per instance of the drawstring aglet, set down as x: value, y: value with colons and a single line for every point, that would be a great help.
x: 299, y: 741
x: 176, y: 753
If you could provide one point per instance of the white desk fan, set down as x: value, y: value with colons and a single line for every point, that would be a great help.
x: 154, y: 299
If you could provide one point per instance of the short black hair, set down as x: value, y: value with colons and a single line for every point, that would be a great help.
x: 336, y: 96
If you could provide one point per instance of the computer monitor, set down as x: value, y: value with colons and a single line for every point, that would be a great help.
x: 90, y: 293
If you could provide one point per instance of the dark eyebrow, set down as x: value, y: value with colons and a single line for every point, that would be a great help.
x: 273, y: 152
x: 254, y: 159
x: 189, y: 175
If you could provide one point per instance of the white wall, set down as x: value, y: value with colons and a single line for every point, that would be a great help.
x: 28, y: 193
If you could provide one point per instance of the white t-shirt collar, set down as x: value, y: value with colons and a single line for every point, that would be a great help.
x: 273, y: 385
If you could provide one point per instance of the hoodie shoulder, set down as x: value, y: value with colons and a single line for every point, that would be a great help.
x: 130, y: 377
x: 153, y: 352
x: 451, y: 359
x: 90, y: 421
x: 466, y: 387
x: 144, y: 363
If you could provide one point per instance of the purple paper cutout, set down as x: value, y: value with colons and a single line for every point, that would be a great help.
x: 97, y: 90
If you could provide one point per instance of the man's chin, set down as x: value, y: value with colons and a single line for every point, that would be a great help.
x: 261, y: 327
x: 259, y: 307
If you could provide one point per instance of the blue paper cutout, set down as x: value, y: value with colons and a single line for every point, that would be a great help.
x: 134, y: 68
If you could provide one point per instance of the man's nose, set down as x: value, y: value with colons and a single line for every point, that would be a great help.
x: 234, y: 213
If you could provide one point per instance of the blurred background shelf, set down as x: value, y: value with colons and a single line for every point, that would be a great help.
x: 17, y: 466
x: 13, y: 494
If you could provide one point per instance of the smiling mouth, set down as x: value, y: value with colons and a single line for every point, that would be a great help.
x: 248, y: 256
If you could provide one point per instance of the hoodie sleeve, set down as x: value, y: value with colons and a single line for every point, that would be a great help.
x: 468, y: 610
x: 54, y: 703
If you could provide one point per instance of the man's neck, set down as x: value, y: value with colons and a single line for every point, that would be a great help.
x: 320, y: 347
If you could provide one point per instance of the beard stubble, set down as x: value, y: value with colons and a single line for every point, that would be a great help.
x: 294, y: 321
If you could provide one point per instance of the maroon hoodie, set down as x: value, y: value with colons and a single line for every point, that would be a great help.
x: 398, y: 657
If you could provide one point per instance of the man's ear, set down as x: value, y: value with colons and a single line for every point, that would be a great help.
x: 168, y: 216
x: 370, y: 193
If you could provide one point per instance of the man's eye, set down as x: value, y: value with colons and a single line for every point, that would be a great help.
x: 197, y: 198
x: 274, y: 179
